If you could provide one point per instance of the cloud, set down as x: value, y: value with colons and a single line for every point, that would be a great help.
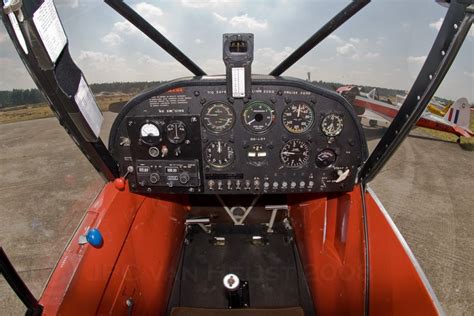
x: 243, y: 20
x: 269, y: 54
x: 99, y: 60
x: 198, y: 41
x: 346, y: 49
x: 437, y: 24
x: 371, y: 55
x: 418, y: 60
x: 199, y: 4
x: 219, y: 17
x: 112, y: 39
x: 335, y: 38
x: 469, y: 74
x: 355, y: 40
x: 150, y: 12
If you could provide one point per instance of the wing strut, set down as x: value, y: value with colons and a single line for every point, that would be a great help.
x: 455, y: 27
x: 345, y: 14
x: 139, y: 22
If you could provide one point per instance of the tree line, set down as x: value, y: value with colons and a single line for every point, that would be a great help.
x: 17, y: 97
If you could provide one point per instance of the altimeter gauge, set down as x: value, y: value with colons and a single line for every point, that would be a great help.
x: 298, y: 117
x: 295, y: 153
x: 332, y: 124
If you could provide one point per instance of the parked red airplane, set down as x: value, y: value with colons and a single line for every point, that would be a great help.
x: 455, y: 121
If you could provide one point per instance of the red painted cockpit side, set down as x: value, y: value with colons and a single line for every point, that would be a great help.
x: 142, y: 242
x: 143, y: 237
x: 398, y: 286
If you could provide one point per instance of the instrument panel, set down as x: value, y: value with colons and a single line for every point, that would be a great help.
x: 189, y: 137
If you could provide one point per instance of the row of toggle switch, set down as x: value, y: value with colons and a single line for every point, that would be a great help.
x: 256, y: 185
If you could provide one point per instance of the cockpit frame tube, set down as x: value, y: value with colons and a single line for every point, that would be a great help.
x: 19, y: 287
x: 146, y: 28
x: 449, y: 40
x: 58, y: 80
x: 343, y: 16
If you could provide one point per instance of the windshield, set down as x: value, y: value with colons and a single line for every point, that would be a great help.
x: 426, y: 186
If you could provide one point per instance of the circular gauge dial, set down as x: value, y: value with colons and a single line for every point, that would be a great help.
x: 332, y: 124
x: 325, y: 158
x: 176, y: 132
x: 149, y: 133
x: 295, y: 153
x: 219, y: 154
x: 298, y: 117
x: 149, y: 129
x: 258, y: 117
x: 218, y: 117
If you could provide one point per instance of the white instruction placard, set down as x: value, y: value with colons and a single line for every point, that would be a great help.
x: 88, y: 107
x: 49, y: 27
x: 18, y: 33
x: 238, y: 82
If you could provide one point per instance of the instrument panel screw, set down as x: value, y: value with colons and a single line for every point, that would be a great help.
x: 196, y: 93
x: 279, y: 92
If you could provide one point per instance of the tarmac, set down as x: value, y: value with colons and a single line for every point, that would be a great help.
x: 427, y: 188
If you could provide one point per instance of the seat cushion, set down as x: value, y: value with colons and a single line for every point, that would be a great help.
x: 190, y: 311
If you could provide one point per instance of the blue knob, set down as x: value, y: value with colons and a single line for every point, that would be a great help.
x: 94, y: 237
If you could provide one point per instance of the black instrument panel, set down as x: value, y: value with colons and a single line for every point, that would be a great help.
x: 189, y: 137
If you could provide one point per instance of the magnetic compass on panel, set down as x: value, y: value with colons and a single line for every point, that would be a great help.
x: 298, y: 117
x: 218, y: 117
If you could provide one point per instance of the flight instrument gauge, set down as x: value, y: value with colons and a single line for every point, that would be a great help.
x: 149, y: 133
x: 176, y: 132
x: 219, y: 154
x: 298, y: 117
x: 295, y: 153
x: 258, y: 117
x: 332, y: 124
x: 218, y: 117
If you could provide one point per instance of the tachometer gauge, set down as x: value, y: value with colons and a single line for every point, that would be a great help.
x: 176, y: 132
x: 295, y: 153
x: 218, y: 117
x: 258, y: 117
x: 219, y: 154
x: 150, y: 133
x: 298, y: 117
x: 332, y: 125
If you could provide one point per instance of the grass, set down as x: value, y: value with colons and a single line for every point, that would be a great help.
x: 42, y: 110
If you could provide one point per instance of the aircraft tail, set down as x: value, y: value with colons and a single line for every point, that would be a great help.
x: 459, y: 113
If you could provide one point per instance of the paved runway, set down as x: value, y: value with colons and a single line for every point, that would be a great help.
x: 427, y: 188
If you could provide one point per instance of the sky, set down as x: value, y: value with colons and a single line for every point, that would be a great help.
x: 384, y: 45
